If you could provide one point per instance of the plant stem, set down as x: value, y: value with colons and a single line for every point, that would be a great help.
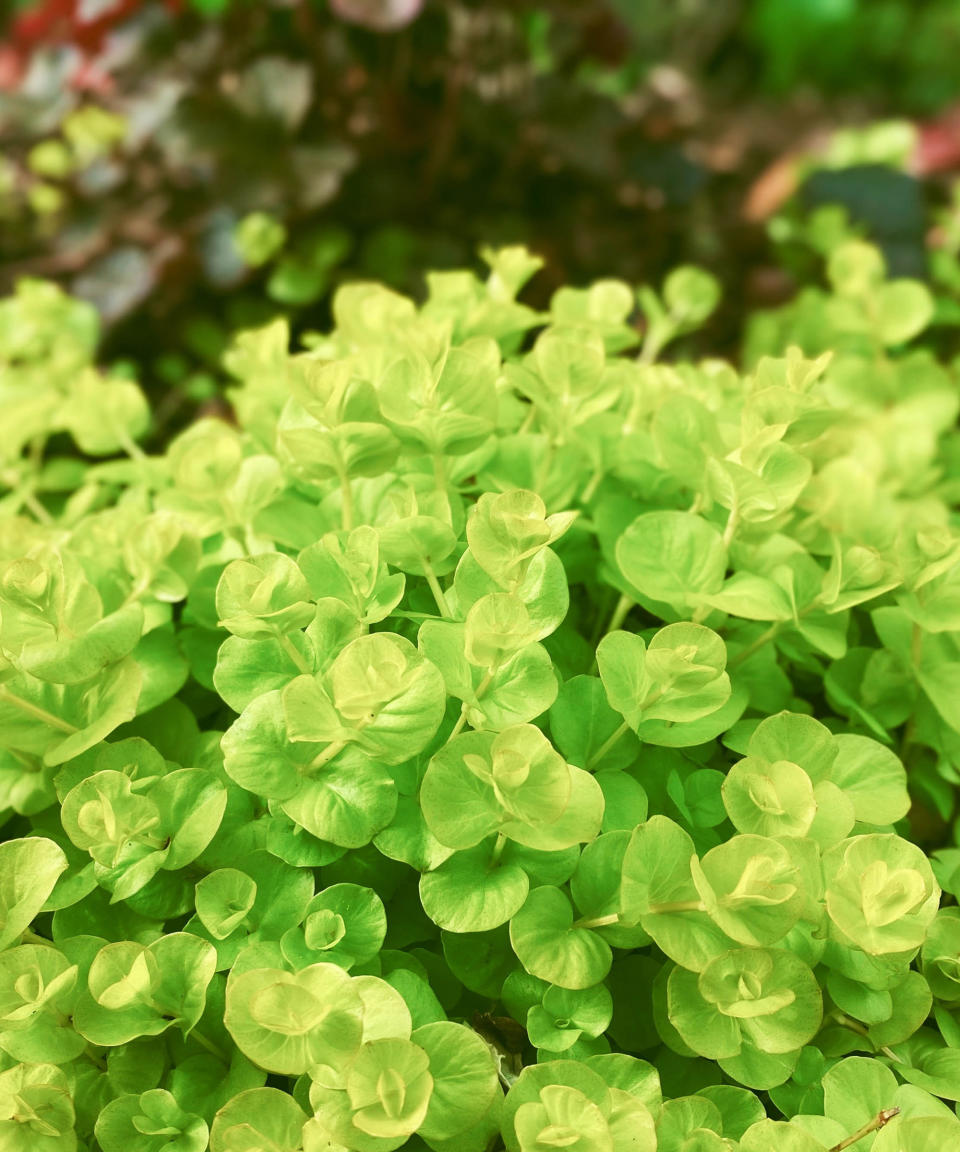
x: 615, y: 917
x: 440, y: 477
x: 543, y: 472
x: 331, y: 750
x: 594, y: 483
x: 498, y: 847
x: 916, y: 645
x: 37, y: 712
x: 755, y: 646
x: 481, y: 688
x: 605, y: 747
x: 346, y: 502
x: 291, y: 650
x: 460, y: 724
x: 29, y: 498
x: 855, y: 1026
x: 212, y: 1048
x: 437, y: 591
x: 598, y: 921
x: 879, y: 1121
x: 129, y: 445
x: 732, y: 520
x: 620, y: 613
x: 678, y: 906
x: 657, y: 337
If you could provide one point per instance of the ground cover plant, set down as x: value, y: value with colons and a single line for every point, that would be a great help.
x: 490, y: 735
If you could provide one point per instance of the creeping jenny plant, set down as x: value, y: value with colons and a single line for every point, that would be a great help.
x: 490, y: 737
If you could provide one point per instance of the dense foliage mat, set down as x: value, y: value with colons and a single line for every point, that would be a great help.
x: 490, y: 737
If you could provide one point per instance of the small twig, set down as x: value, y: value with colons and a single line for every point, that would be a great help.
x: 879, y: 1121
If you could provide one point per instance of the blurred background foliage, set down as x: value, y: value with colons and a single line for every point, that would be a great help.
x: 195, y: 166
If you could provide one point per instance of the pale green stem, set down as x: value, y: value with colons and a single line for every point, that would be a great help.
x: 763, y: 639
x: 657, y: 337
x: 291, y: 650
x: 916, y: 645
x: 855, y: 1026
x: 620, y: 613
x: 440, y: 477
x: 346, y: 502
x: 588, y: 493
x: 910, y: 728
x: 605, y: 747
x: 615, y: 918
x: 437, y: 591
x: 543, y: 473
x: 37, y: 445
x: 327, y: 755
x: 212, y: 1048
x: 36, y: 711
x: 732, y: 521
x: 678, y: 906
x: 481, y: 689
x: 498, y: 847
x: 30, y: 500
x: 129, y: 445
x: 460, y: 724
x: 879, y: 1121
x: 598, y: 921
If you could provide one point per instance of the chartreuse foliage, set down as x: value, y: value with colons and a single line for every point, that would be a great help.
x: 491, y: 737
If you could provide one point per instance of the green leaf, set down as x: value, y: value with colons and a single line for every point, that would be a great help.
x: 138, y: 1122
x: 29, y: 868
x: 856, y: 1089
x: 679, y: 677
x: 470, y: 892
x: 345, y: 924
x: 550, y: 946
x: 464, y: 1079
x: 880, y: 893
x: 903, y: 309
x: 582, y: 722
x: 506, y: 531
x: 752, y: 888
x: 673, y: 558
x: 389, y: 1087
x: 286, y: 1022
x: 39, y: 1112
x: 223, y: 899
x: 690, y: 294
x: 266, y: 1115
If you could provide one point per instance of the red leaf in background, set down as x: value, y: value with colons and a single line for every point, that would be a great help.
x: 938, y: 144
x: 11, y: 67
x: 84, y: 23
